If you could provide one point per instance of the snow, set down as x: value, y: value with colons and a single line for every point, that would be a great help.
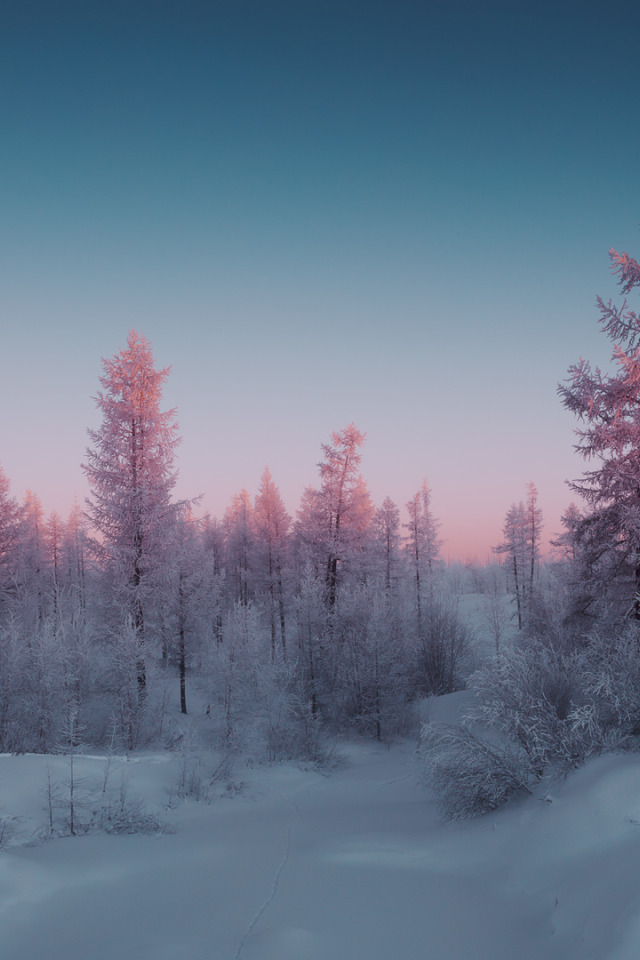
x: 353, y: 865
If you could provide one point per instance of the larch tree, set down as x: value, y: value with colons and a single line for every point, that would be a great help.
x: 533, y: 531
x: 422, y: 545
x: 184, y: 595
x: 522, y: 534
x: 271, y: 525
x: 32, y: 560
x: 74, y: 561
x: 53, y: 536
x: 10, y: 516
x: 213, y: 539
x: 566, y: 541
x: 238, y: 543
x: 130, y: 469
x: 515, y: 546
x: 336, y: 518
x: 333, y: 534
x: 608, y: 409
x: 386, y: 524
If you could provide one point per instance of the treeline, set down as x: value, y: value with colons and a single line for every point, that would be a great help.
x: 275, y: 627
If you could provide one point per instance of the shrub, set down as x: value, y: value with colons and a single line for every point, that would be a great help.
x: 440, y: 651
x: 469, y: 776
x: 541, y: 706
x: 536, y: 696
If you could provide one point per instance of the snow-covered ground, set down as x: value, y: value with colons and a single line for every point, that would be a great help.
x: 355, y: 865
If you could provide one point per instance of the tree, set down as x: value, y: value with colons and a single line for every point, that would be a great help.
x: 129, y: 466
x: 514, y: 545
x: 74, y: 551
x: 239, y: 547
x: 566, y: 542
x: 608, y: 409
x: 271, y: 524
x: 495, y: 616
x: 31, y: 576
x: 185, y: 590
x: 386, y: 523
x: 10, y: 515
x: 422, y: 545
x: 53, y: 536
x: 335, y: 519
x: 213, y: 539
x: 522, y: 533
x: 533, y: 530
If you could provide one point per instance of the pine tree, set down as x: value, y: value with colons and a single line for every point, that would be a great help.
x: 129, y: 466
x: 608, y: 408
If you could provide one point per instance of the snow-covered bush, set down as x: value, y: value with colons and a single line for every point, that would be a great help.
x: 78, y: 801
x: 121, y: 814
x: 612, y: 678
x: 536, y: 708
x: 440, y: 650
x: 281, y: 711
x: 536, y: 696
x: 468, y: 775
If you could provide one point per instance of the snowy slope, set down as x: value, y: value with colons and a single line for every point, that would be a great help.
x: 351, y: 866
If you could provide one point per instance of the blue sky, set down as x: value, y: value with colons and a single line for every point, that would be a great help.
x: 318, y: 213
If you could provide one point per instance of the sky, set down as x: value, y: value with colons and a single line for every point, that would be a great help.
x: 392, y: 214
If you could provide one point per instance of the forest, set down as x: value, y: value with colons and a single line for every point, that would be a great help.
x: 283, y: 633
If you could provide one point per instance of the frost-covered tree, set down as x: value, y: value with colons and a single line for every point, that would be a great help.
x: 130, y: 469
x: 608, y: 409
x: 566, y: 542
x: 238, y: 544
x: 185, y: 612
x: 533, y: 531
x: 271, y: 525
x: 310, y: 622
x: 213, y: 598
x: 514, y: 546
x: 10, y: 514
x: 53, y: 540
x: 422, y: 547
x: 386, y: 525
x: 74, y: 561
x: 335, y: 520
x: 31, y: 567
x: 522, y: 533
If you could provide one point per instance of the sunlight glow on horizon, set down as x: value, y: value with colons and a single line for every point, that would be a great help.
x: 468, y: 531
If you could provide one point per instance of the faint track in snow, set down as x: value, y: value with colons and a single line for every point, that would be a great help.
x: 274, y: 886
x: 386, y: 783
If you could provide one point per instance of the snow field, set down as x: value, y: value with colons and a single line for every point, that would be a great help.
x: 350, y: 866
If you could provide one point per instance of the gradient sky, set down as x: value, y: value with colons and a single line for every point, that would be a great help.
x: 393, y: 214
